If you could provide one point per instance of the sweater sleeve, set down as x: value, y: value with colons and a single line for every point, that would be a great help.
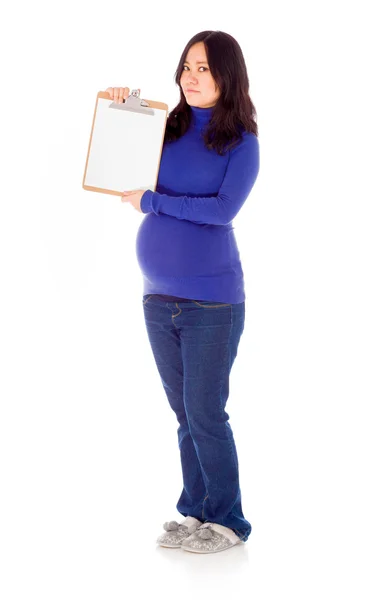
x: 240, y: 176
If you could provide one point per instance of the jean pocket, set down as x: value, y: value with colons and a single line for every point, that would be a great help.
x: 146, y: 299
x: 210, y: 304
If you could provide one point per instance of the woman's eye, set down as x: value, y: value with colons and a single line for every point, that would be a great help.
x: 205, y: 69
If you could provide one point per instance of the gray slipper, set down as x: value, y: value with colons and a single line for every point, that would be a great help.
x: 210, y: 537
x: 175, y: 532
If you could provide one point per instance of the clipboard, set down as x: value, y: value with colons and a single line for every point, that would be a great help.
x: 125, y: 145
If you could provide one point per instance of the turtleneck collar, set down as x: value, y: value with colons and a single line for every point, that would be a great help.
x: 201, y: 116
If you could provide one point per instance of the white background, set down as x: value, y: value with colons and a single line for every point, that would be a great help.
x: 89, y: 461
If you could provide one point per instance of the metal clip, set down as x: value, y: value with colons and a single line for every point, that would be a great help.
x: 134, y: 104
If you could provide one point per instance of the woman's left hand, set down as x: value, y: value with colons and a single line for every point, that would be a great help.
x: 134, y: 197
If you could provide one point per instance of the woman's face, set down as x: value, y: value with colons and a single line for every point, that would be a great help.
x: 197, y: 77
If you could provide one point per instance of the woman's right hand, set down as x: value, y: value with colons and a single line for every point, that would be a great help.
x: 118, y: 94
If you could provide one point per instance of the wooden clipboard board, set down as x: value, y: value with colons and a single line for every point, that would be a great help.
x: 125, y: 145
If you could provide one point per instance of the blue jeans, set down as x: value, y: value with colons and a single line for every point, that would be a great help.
x: 194, y: 343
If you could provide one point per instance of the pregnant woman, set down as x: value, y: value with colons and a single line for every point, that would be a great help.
x: 194, y: 299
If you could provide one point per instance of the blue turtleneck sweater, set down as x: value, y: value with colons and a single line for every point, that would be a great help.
x: 186, y: 247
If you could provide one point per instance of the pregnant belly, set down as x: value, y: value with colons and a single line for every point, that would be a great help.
x: 173, y: 247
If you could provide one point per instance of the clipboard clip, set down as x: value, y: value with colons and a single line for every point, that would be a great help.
x: 134, y: 104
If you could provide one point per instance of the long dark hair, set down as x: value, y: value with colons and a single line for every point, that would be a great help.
x: 234, y: 111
